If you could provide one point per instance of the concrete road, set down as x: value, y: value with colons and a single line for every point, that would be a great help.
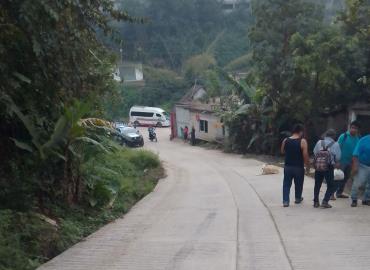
x: 214, y: 212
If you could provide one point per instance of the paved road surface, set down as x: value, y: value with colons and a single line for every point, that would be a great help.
x: 213, y: 212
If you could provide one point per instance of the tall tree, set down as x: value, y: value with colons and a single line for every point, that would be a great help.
x: 355, y: 22
x: 276, y: 23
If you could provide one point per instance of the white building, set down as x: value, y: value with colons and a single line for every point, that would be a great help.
x: 229, y: 5
x: 131, y: 72
x: 194, y: 111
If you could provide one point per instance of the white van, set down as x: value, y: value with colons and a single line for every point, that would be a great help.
x: 144, y: 116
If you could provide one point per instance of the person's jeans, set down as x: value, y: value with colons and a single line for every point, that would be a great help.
x: 342, y: 184
x: 362, y: 178
x: 331, y: 185
x: 290, y: 173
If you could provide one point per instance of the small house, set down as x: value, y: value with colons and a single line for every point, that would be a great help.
x: 361, y: 112
x: 131, y: 73
x: 341, y: 119
x: 196, y: 110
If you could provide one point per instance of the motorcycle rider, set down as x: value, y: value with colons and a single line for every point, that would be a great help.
x: 152, y: 135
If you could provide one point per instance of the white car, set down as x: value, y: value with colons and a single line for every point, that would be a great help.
x: 149, y: 116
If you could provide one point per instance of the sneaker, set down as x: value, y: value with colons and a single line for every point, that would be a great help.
x: 298, y: 201
x: 342, y: 196
x: 332, y: 197
x: 354, y: 203
x: 325, y: 205
x: 366, y: 203
x: 316, y: 204
x: 286, y: 204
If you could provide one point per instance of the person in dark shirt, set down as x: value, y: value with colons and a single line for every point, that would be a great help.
x: 192, y: 135
x: 295, y: 149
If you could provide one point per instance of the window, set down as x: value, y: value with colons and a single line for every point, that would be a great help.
x: 228, y: 6
x: 158, y: 115
x: 142, y: 114
x: 203, y: 126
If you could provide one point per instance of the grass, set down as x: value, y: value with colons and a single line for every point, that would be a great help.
x: 114, y: 182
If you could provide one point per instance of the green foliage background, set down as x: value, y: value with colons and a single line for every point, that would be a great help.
x: 300, y: 62
x: 54, y: 72
x: 114, y: 180
x: 181, y: 42
x: 305, y: 66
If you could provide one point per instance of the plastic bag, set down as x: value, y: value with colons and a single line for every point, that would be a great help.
x: 338, y: 175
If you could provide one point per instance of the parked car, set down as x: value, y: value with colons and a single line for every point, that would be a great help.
x: 119, y: 125
x: 132, y: 137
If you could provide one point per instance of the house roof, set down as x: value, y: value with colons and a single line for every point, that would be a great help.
x: 189, y: 96
x: 200, y: 107
x: 193, y: 102
x: 360, y: 106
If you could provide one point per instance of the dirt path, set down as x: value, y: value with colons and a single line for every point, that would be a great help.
x: 213, y: 212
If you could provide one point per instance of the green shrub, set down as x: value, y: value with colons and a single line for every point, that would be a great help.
x: 114, y: 180
x: 143, y: 159
x: 110, y: 174
x: 23, y: 238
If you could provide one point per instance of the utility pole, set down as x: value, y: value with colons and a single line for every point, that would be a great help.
x: 121, y: 51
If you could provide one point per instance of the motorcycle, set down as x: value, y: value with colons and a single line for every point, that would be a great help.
x: 152, y: 135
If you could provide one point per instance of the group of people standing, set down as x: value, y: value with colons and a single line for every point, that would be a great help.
x: 185, y: 134
x: 334, y: 161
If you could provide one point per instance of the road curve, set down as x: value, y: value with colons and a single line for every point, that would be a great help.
x: 214, y: 212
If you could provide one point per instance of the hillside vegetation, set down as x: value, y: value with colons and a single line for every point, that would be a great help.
x: 62, y: 176
x: 299, y: 60
x: 191, y: 39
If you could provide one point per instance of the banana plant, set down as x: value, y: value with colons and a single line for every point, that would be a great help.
x: 67, y: 130
x: 68, y: 142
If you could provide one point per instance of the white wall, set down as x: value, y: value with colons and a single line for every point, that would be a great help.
x: 182, y: 119
x: 215, y: 127
x: 186, y: 118
x: 139, y: 74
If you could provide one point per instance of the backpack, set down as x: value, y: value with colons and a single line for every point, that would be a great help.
x: 323, y: 159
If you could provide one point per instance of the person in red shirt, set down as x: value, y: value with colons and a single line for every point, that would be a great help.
x: 186, y: 133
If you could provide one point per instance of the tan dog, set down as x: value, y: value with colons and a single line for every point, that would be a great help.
x: 270, y: 169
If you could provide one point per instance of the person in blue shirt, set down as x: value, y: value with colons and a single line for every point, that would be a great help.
x: 347, y: 142
x: 361, y: 170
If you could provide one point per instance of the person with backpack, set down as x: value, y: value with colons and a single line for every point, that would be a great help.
x: 361, y: 170
x: 347, y: 142
x: 295, y: 149
x: 327, y: 156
